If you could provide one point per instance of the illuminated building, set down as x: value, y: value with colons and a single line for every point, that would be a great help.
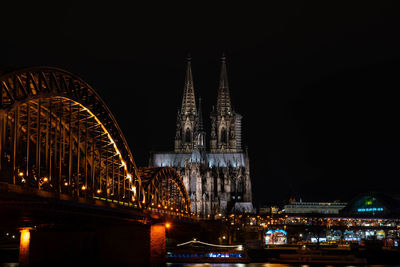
x: 217, y: 179
x: 314, y: 207
x: 374, y: 204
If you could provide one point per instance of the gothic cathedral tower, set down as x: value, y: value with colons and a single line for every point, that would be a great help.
x: 225, y: 123
x: 190, y: 134
x: 217, y: 178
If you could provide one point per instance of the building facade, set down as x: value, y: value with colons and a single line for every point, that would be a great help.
x: 314, y: 207
x: 217, y: 178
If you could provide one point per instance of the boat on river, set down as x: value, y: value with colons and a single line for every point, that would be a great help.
x: 202, y: 252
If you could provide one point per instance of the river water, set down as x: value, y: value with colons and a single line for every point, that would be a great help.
x: 262, y: 265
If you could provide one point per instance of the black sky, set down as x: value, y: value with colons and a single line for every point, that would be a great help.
x: 316, y: 83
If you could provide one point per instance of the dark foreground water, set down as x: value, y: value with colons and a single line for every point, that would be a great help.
x: 238, y: 265
x: 262, y: 265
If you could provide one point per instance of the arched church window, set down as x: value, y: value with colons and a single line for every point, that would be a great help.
x: 188, y: 137
x: 200, y: 141
x: 223, y: 135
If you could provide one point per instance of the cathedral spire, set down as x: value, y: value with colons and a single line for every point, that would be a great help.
x: 224, y: 100
x: 188, y: 100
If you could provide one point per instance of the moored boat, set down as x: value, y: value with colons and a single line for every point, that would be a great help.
x: 197, y: 251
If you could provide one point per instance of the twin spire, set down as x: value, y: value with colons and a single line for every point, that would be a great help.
x: 224, y: 100
x: 225, y: 124
x: 188, y: 101
x: 224, y: 106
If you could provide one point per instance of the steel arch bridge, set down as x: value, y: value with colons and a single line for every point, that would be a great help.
x: 156, y: 182
x: 56, y: 134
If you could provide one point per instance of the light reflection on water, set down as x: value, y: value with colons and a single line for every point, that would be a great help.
x: 14, y: 264
x: 265, y: 265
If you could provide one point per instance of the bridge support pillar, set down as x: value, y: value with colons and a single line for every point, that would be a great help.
x: 24, y: 242
x: 157, y: 244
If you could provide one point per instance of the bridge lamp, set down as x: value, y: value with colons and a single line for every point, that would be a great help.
x: 165, y: 207
x: 45, y: 179
x: 83, y: 187
x: 98, y: 191
x: 167, y: 225
x: 66, y: 184
x: 21, y: 174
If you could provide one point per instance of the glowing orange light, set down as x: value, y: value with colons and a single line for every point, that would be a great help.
x: 83, y: 187
x: 21, y: 174
x: 66, y: 184
x: 24, y: 246
x: 167, y: 225
x: 45, y: 179
x: 98, y: 191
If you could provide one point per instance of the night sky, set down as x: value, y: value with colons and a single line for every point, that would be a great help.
x: 317, y: 84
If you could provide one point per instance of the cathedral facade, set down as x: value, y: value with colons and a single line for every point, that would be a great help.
x: 217, y: 178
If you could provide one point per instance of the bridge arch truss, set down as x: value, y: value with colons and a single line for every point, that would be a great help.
x: 165, y: 191
x: 56, y: 134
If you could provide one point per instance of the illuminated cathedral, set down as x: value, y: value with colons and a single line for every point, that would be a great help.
x: 217, y: 178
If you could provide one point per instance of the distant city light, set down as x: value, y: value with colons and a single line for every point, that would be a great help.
x: 369, y: 209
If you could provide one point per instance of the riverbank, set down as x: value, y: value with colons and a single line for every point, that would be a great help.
x: 325, y: 255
